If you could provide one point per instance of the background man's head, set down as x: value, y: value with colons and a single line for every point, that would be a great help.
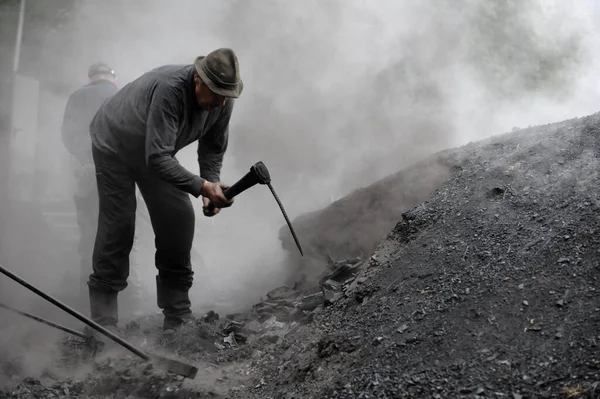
x: 217, y: 78
x: 101, y: 71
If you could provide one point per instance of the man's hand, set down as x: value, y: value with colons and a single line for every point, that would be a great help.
x: 212, y: 193
x: 208, y: 212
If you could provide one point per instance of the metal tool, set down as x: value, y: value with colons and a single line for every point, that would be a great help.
x: 44, y: 321
x: 95, y: 344
x: 171, y: 365
x: 258, y: 174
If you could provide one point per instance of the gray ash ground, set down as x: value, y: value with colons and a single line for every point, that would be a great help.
x: 488, y: 289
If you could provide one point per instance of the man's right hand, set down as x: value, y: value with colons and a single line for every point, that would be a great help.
x: 214, y: 192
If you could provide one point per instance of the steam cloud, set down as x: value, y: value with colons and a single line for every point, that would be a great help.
x: 338, y: 94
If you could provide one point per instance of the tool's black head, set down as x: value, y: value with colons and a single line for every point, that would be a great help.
x: 175, y: 366
x: 261, y: 172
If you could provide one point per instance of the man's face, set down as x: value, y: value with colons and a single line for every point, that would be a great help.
x: 207, y: 100
x: 109, y: 78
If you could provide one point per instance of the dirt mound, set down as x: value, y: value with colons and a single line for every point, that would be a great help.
x: 486, y: 289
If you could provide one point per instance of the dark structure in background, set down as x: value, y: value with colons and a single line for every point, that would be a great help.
x: 40, y: 21
x: 8, y: 33
x: 44, y: 37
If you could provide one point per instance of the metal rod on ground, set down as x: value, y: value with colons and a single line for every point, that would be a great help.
x: 171, y: 365
x: 74, y: 313
x: 46, y: 322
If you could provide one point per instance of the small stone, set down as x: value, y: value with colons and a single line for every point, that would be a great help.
x: 558, y: 335
x: 413, y: 339
x: 253, y: 326
x: 373, y: 261
x: 521, y: 286
x: 282, y: 292
x: 310, y: 302
x: 467, y: 291
x: 272, y: 323
x: 563, y: 260
x: 560, y: 303
x: 525, y: 303
x: 332, y: 285
x: 377, y: 341
x: 210, y: 317
x: 517, y: 395
x: 230, y: 339
x: 402, y: 328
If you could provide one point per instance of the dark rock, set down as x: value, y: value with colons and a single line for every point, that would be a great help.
x: 495, y: 192
x: 332, y: 285
x: 412, y: 339
x: 210, y: 317
x: 402, y: 328
x: 310, y: 302
x: 233, y: 326
x: 331, y: 297
x: 282, y: 292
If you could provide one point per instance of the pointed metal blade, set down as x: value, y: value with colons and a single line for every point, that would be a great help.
x: 286, y: 218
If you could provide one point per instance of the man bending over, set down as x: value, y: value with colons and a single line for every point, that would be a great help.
x: 135, y: 137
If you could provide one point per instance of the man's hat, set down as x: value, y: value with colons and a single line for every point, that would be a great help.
x: 220, y: 71
x: 100, y: 68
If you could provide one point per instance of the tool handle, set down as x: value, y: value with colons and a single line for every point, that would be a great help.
x: 232, y: 191
x: 74, y: 313
x: 228, y: 193
x: 258, y: 174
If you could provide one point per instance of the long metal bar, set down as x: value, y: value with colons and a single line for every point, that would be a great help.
x: 44, y: 321
x: 74, y: 313
x: 286, y: 217
x: 171, y: 365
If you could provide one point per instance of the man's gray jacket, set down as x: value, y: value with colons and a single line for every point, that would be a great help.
x: 150, y: 119
x: 81, y: 108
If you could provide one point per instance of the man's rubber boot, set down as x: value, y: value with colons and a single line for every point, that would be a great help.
x: 175, y: 304
x: 104, y: 310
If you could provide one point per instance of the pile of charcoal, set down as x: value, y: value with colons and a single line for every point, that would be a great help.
x: 284, y: 309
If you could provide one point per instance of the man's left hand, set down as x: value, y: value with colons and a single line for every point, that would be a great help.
x: 207, y: 211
